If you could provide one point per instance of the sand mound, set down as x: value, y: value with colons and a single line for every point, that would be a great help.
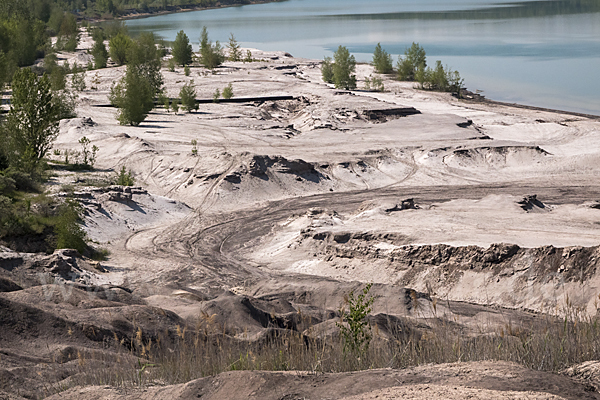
x: 496, y: 157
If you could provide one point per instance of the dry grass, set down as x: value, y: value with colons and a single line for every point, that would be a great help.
x: 547, y: 343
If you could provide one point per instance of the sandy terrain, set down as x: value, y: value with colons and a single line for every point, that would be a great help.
x: 493, y: 209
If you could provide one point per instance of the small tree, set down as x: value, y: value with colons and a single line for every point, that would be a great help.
x: 235, y: 54
x: 78, y: 79
x: 125, y: 178
x: 211, y: 55
x: 119, y: 47
x: 327, y: 70
x: 188, y: 97
x: 414, y: 62
x: 32, y: 122
x: 248, y: 58
x: 134, y: 96
x: 99, y: 51
x: 382, y: 61
x: 216, y: 95
x: 182, y: 49
x: 343, y: 69
x: 354, y: 326
x: 228, y: 92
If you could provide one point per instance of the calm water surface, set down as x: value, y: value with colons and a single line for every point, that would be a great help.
x: 542, y: 53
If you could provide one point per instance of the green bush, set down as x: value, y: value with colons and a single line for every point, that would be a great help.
x: 235, y: 53
x: 327, y: 70
x: 188, y: 97
x: 211, y: 55
x: 69, y: 233
x: 134, y: 96
x: 343, y: 69
x: 413, y: 62
x: 125, y: 178
x: 99, y: 52
x: 354, y: 326
x: 382, y: 61
x: 182, y: 49
x: 228, y: 92
x: 119, y: 47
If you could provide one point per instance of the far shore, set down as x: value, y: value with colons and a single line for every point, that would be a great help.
x: 177, y: 9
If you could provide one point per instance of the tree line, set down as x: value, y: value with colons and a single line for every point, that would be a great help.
x: 412, y: 66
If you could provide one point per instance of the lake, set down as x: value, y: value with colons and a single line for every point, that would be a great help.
x: 541, y: 53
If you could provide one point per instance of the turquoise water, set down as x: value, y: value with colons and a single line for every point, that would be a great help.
x: 541, y: 53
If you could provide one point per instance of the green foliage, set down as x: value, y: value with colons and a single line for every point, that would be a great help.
x: 134, y: 96
x: 89, y: 153
x: 182, y: 49
x: 194, y: 144
x: 68, y: 33
x: 175, y: 106
x: 374, y: 84
x: 327, y: 70
x: 440, y: 79
x: 186, y: 70
x: 69, y: 233
x: 164, y: 100
x: 211, y: 55
x: 354, y: 326
x: 99, y: 53
x: 135, y: 92
x: 125, y: 178
x: 77, y: 79
x: 248, y: 58
x: 188, y: 97
x: 32, y: 122
x: 235, y: 54
x: 119, y: 46
x: 343, y: 69
x: 382, y: 61
x: 171, y: 65
x: 413, y: 63
x: 228, y: 92
x: 216, y: 95
x: 145, y: 58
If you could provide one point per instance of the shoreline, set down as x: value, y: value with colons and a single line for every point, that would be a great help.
x: 176, y: 9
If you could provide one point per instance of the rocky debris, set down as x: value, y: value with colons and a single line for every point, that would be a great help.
x: 408, y: 204
x: 592, y: 204
x: 531, y: 203
x: 383, y: 115
x: 588, y: 373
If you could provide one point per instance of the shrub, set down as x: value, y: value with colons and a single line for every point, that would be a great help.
x: 32, y: 122
x: 413, y: 62
x: 216, y: 95
x: 188, y: 97
x: 211, y: 55
x: 182, y: 49
x: 382, y: 61
x: 186, y: 70
x: 440, y: 79
x: 354, y: 327
x: 99, y: 51
x: 119, y: 47
x: 68, y: 231
x: 248, y: 58
x: 343, y: 69
x: 235, y: 53
x: 327, y: 70
x: 228, y: 92
x: 125, y: 178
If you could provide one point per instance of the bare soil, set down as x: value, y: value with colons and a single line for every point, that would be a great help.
x: 289, y: 205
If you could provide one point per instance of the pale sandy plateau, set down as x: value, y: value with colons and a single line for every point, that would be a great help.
x: 494, y: 210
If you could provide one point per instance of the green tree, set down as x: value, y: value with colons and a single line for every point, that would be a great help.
x: 211, y: 55
x: 32, y: 122
x: 382, y: 61
x: 354, y: 326
x: 134, y: 96
x: 145, y: 58
x: 182, y: 49
x: 187, y: 94
x: 343, y: 69
x: 119, y: 47
x: 414, y: 62
x: 235, y: 54
x: 327, y: 70
x: 99, y: 51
